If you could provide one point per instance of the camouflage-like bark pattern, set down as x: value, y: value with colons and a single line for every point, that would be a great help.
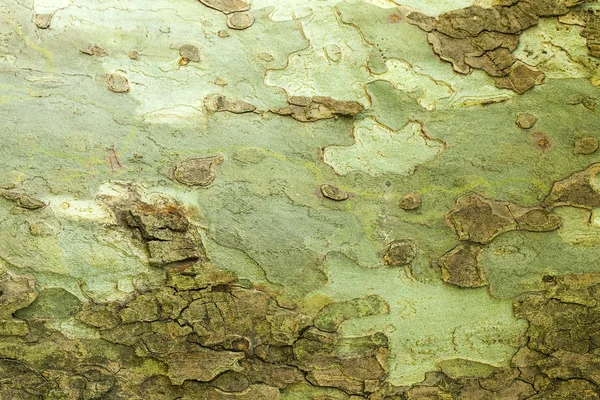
x: 299, y: 199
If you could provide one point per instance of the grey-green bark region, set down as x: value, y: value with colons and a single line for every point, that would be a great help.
x: 299, y: 199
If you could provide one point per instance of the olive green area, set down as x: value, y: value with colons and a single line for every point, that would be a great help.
x: 331, y: 316
x: 164, y: 232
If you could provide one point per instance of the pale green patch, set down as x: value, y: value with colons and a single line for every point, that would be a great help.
x: 74, y: 329
x: 436, y: 7
x: 426, y: 89
x: 428, y: 322
x: 296, y: 9
x: 455, y: 368
x: 595, y: 220
x: 556, y: 49
x: 405, y: 47
x: 317, y: 71
x: 379, y: 150
x: 166, y: 89
x: 474, y: 90
x: 71, y: 208
x: 579, y: 227
x: 517, y: 261
x: 75, y: 244
x: 85, y: 260
x: 285, y: 10
x: 382, y: 3
x: 49, y: 6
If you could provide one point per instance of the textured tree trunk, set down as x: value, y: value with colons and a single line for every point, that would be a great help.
x: 299, y: 199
